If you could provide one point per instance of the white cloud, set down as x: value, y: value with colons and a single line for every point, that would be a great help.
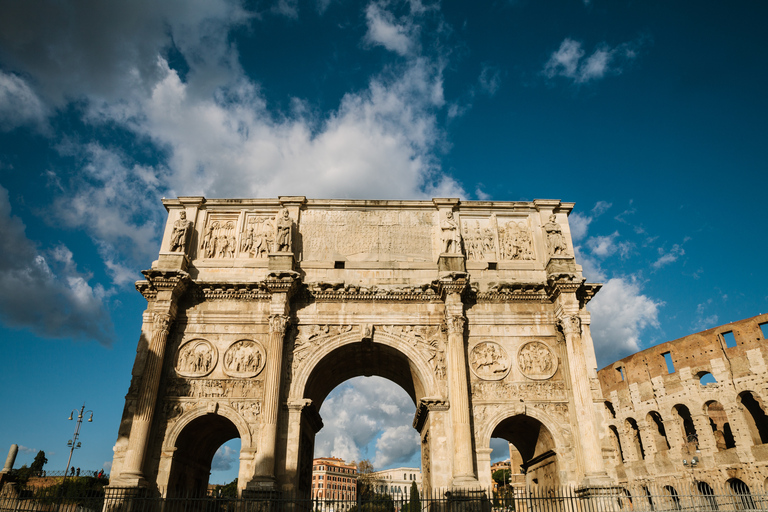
x: 620, y: 312
x: 704, y: 321
x: 603, y: 246
x: 224, y: 458
x: 489, y: 79
x: 383, y: 29
x: 569, y: 61
x: 27, y: 449
x: 19, y: 105
x: 667, y: 257
x: 44, y: 291
x: 579, y: 222
x: 397, y: 445
x: 363, y: 419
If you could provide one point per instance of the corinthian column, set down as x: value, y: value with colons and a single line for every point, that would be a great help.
x: 281, y: 285
x: 169, y: 286
x: 458, y: 390
x: 582, y: 397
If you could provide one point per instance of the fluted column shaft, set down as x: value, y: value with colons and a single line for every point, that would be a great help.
x: 582, y: 395
x: 145, y: 407
x: 458, y: 390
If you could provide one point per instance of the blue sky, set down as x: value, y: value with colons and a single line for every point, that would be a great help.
x: 651, y: 116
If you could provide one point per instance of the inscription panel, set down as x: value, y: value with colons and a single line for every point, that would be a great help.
x: 367, y: 235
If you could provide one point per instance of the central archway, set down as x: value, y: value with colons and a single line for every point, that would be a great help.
x: 338, y: 359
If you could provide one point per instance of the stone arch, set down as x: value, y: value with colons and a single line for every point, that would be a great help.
x: 190, y: 444
x: 547, y: 472
x: 658, y: 432
x: 687, y: 427
x: 635, y: 439
x: 756, y: 417
x: 721, y: 427
x: 423, y: 381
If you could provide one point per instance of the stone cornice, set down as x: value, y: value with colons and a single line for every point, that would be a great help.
x: 175, y: 281
x: 587, y: 292
x: 425, y: 406
x: 455, y: 282
x: 231, y: 291
x: 509, y: 292
x: 339, y: 292
x: 282, y: 281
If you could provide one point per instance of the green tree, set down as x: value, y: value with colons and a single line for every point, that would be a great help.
x: 365, y: 479
x: 36, y: 467
x: 501, y: 477
x: 415, y: 505
x: 230, y: 490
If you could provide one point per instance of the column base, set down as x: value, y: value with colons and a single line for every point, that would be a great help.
x: 127, y: 480
x: 465, y: 483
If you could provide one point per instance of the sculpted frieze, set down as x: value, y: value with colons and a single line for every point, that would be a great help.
x: 244, y: 359
x: 489, y: 361
x: 211, y: 388
x: 258, y: 236
x: 515, y: 241
x: 196, y: 358
x: 248, y: 410
x: 219, y: 238
x: 536, y: 361
x: 367, y: 234
x: 428, y: 339
x: 514, y: 391
x: 312, y: 336
x: 480, y: 241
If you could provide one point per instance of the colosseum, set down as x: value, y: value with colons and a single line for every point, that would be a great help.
x: 691, y: 411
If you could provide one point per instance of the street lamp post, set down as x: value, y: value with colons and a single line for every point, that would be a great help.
x: 73, y: 443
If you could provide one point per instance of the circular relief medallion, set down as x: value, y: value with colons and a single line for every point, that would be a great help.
x: 196, y: 358
x: 536, y: 361
x: 489, y: 361
x: 244, y: 358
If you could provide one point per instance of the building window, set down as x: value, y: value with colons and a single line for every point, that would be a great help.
x: 670, y: 363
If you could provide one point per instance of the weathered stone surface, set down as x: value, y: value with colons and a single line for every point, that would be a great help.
x: 656, y: 419
x: 258, y: 308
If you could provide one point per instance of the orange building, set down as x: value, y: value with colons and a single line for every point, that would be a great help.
x: 334, y: 480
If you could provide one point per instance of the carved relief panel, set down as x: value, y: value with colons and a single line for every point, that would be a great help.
x: 196, y: 358
x: 497, y: 239
x: 244, y: 359
x: 367, y: 235
x: 258, y: 236
x: 489, y: 361
x: 515, y: 240
x: 536, y: 361
x: 219, y: 239
x: 480, y: 238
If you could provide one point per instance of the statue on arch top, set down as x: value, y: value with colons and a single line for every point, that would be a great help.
x: 283, y: 231
x: 181, y: 229
x: 451, y: 235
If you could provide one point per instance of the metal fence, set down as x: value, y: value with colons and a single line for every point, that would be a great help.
x: 520, y: 499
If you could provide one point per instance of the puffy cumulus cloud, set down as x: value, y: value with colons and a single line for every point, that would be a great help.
x: 363, y: 412
x: 45, y: 292
x: 225, y: 458
x: 77, y: 49
x: 603, y: 246
x: 620, y: 313
x: 570, y: 61
x: 397, y: 445
x: 19, y: 104
x: 380, y: 142
x: 116, y: 202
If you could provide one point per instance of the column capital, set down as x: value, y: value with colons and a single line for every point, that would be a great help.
x: 571, y: 325
x: 454, y: 283
x: 278, y: 323
x: 455, y: 322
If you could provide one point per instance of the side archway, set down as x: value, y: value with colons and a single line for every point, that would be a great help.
x: 191, y: 443
x: 536, y: 436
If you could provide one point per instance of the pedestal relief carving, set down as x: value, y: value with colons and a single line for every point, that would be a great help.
x: 196, y: 358
x: 489, y: 361
x: 536, y: 361
x: 244, y: 359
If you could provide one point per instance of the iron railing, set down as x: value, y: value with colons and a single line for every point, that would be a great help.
x: 635, y: 498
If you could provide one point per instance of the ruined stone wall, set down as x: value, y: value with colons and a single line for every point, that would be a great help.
x: 709, y: 405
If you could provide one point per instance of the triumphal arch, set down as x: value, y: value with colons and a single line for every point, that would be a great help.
x: 258, y: 308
